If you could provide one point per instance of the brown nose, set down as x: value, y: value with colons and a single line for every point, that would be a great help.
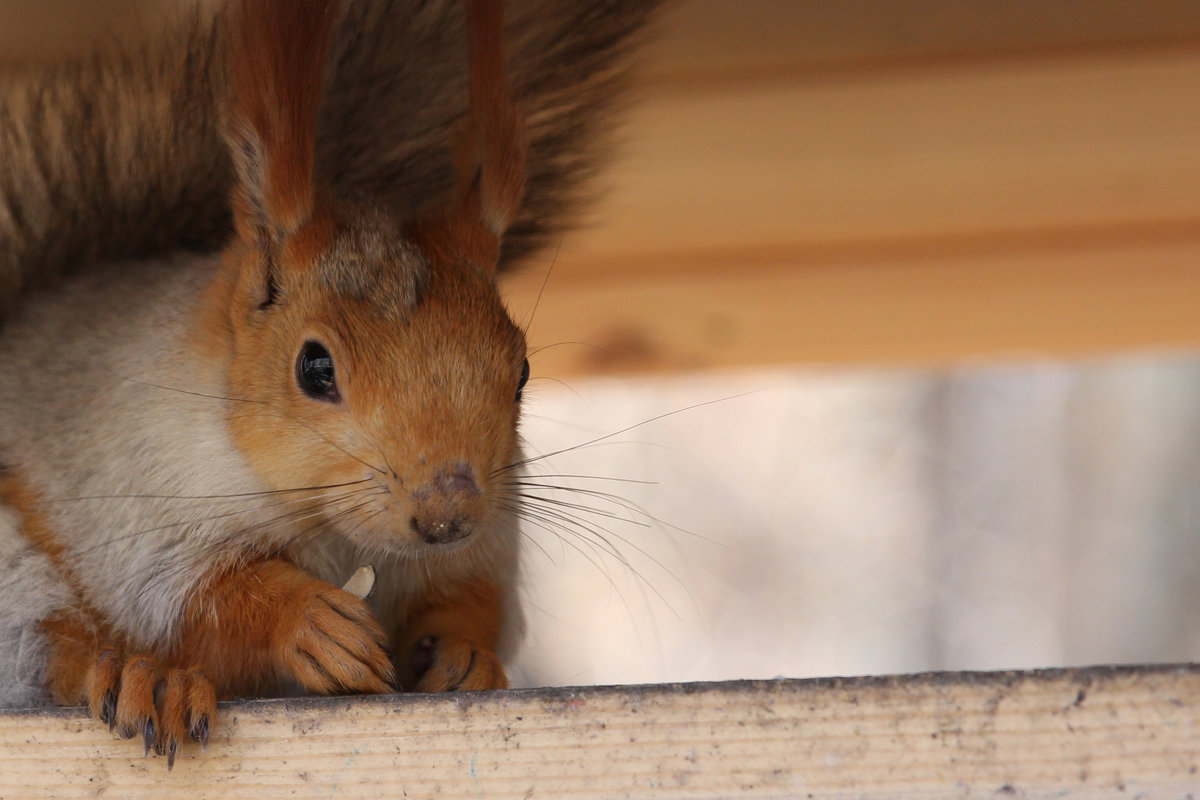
x: 445, y: 505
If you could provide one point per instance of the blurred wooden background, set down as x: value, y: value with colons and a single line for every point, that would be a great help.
x: 868, y: 181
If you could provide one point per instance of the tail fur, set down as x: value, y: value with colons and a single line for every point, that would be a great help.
x: 121, y: 156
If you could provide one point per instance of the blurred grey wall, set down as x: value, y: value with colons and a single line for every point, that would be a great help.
x: 847, y: 521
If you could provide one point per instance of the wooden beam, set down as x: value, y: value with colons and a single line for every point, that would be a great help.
x: 942, y: 305
x: 1098, y: 732
x: 714, y: 39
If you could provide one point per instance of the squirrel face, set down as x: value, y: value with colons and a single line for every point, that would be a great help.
x: 376, y: 361
x: 357, y: 363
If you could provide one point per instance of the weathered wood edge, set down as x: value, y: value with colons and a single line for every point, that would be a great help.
x: 1112, y: 731
x: 553, y: 694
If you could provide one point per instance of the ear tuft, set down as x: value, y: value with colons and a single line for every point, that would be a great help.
x: 495, y: 131
x: 489, y: 156
x: 277, y: 53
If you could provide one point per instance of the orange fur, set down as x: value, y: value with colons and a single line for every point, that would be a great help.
x: 89, y: 664
x: 76, y: 635
x: 76, y: 640
x: 463, y: 624
x: 251, y: 628
x: 458, y: 238
x: 277, y: 55
x: 418, y: 417
x: 489, y: 156
x: 495, y: 125
x: 136, y: 710
x: 18, y: 495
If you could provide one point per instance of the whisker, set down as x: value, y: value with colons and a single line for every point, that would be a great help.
x: 285, y: 417
x: 581, y: 477
x: 324, y: 526
x: 547, y: 524
x: 224, y: 515
x: 311, y: 430
x: 191, y: 393
x: 599, y: 512
x: 359, y: 525
x: 235, y: 496
x: 588, y: 528
x: 617, y: 500
x: 532, y: 459
x: 538, y: 545
x: 537, y: 300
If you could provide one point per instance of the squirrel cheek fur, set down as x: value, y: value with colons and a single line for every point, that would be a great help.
x: 428, y: 433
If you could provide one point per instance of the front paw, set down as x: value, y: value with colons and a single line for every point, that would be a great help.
x: 137, y: 696
x: 449, y: 664
x: 328, y: 639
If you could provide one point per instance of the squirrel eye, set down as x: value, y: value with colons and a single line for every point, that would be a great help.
x: 523, y: 380
x: 314, y: 372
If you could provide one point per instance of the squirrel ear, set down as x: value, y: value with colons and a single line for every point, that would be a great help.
x: 492, y: 154
x: 276, y: 57
x: 489, y: 156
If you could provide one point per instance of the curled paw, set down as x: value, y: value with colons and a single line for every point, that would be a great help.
x: 137, y: 697
x: 449, y: 664
x: 331, y: 643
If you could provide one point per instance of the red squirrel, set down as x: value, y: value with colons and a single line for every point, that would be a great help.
x: 254, y: 341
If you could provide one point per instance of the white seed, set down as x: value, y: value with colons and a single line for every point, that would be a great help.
x: 361, y: 582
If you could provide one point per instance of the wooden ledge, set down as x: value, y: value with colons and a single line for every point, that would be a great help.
x: 1095, y: 732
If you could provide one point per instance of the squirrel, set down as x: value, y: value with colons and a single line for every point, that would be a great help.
x: 253, y: 341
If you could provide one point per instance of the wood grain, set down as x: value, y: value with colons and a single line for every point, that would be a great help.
x: 938, y: 305
x: 1100, y: 732
x: 713, y: 39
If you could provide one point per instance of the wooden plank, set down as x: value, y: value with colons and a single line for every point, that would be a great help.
x: 1079, y: 146
x: 712, y: 39
x: 963, y: 302
x: 1099, y: 732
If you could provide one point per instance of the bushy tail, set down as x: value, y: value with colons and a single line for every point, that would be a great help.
x: 122, y: 156
x: 116, y: 156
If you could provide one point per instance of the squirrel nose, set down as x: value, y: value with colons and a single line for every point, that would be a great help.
x: 441, y: 531
x: 443, y: 505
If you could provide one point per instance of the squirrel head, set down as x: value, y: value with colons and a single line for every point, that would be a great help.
x: 364, y: 352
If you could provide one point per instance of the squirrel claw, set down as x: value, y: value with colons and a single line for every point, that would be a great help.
x: 108, y: 708
x: 199, y: 731
x: 147, y: 737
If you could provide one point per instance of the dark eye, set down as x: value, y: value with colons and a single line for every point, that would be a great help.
x: 524, y: 380
x: 314, y: 372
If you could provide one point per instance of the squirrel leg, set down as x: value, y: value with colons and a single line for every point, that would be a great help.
x: 253, y: 627
x: 84, y: 667
x: 450, y: 643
